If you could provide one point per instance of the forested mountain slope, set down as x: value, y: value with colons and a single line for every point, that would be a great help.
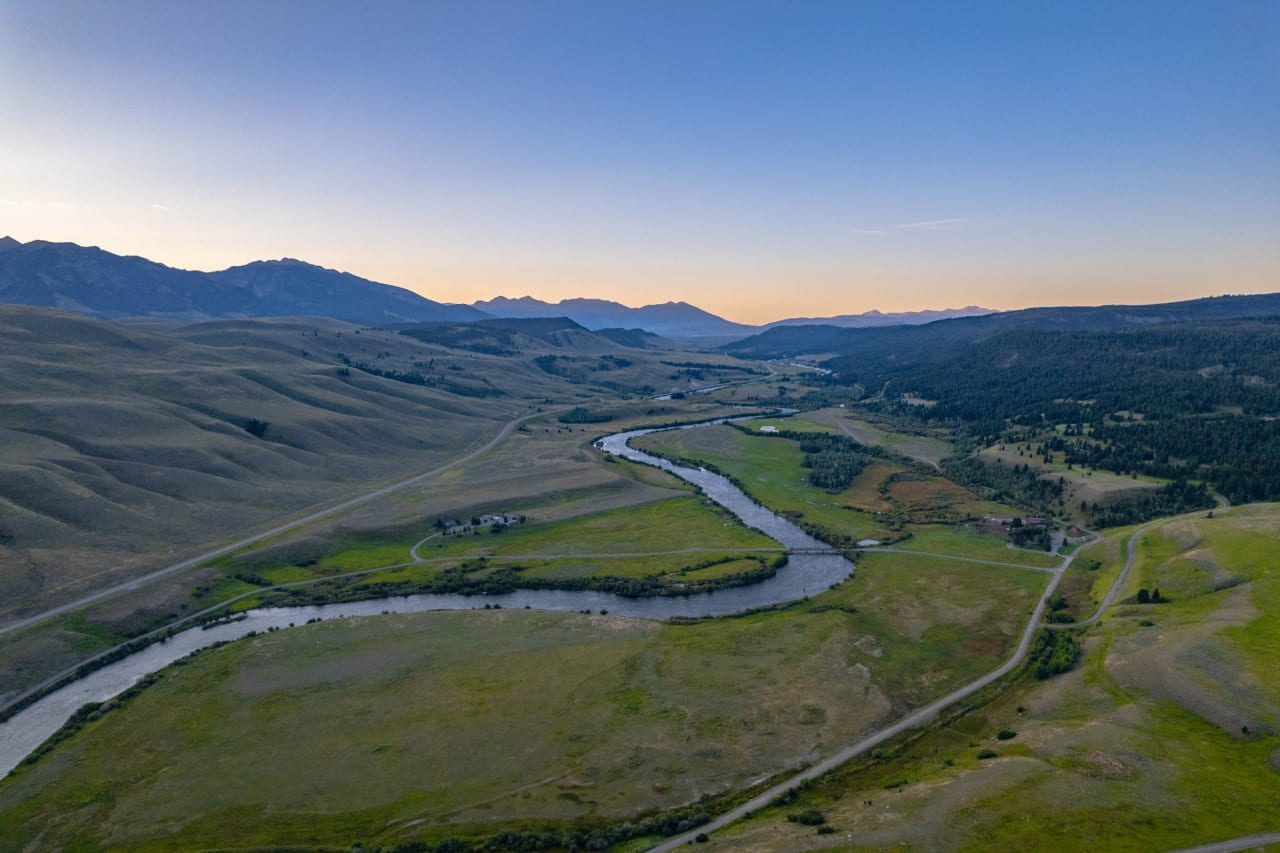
x: 938, y: 338
x: 1194, y: 401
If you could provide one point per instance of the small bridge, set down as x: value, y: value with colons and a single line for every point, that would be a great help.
x: 831, y: 552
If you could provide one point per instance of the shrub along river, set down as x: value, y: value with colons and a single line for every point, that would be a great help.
x: 805, y: 574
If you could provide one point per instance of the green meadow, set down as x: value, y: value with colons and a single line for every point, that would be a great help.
x: 768, y: 469
x: 1165, y: 736
x: 432, y: 725
x: 677, y: 523
x: 963, y: 542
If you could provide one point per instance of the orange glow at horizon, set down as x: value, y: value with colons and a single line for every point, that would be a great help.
x: 756, y: 291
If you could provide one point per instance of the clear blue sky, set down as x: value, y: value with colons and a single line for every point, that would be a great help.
x: 759, y: 159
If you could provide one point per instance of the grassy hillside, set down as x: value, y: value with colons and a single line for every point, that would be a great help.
x: 121, y: 449
x: 1166, y: 736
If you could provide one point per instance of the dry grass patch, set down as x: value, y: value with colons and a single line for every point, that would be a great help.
x: 864, y: 492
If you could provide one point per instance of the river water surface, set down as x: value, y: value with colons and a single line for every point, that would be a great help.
x: 805, y: 574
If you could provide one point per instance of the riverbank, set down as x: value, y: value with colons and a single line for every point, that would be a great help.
x: 805, y: 574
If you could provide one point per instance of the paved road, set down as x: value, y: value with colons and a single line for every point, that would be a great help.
x: 1131, y: 556
x: 143, y: 580
x: 1248, y: 842
x: 913, y: 720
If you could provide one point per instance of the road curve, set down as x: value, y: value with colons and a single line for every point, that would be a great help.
x: 928, y: 712
x: 1247, y: 842
x: 915, y: 719
x: 135, y: 583
x: 1131, y: 556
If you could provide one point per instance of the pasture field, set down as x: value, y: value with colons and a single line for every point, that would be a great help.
x: 432, y: 725
x: 1089, y: 485
x: 546, y: 470
x: 865, y: 490
x: 963, y: 542
x: 626, y: 543
x: 671, y: 568
x: 1092, y: 572
x: 748, y: 392
x: 1166, y: 736
x: 886, y: 498
x: 793, y: 423
x: 768, y: 469
x: 667, y: 525
x: 930, y: 449
x: 935, y: 498
x: 921, y: 610
x: 780, y: 382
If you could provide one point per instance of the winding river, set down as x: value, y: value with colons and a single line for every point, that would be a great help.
x: 805, y: 574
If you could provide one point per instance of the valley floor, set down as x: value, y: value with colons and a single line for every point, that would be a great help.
x: 403, y: 730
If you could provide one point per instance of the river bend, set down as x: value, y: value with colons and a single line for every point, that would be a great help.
x: 805, y: 574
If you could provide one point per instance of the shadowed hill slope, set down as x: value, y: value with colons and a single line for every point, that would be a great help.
x: 88, y: 280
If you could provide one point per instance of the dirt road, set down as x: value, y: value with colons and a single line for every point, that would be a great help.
x: 143, y: 580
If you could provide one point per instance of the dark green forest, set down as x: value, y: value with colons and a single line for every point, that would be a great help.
x: 1029, y: 376
x: 1187, y: 402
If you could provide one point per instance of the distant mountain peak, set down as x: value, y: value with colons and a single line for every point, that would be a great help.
x: 669, y: 319
x: 880, y: 318
x: 89, y: 280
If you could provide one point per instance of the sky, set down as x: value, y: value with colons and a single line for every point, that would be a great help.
x: 761, y: 160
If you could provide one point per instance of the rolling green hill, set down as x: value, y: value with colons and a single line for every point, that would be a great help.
x: 1165, y: 737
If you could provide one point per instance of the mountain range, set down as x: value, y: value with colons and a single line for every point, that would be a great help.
x: 682, y: 320
x: 89, y: 280
x: 670, y: 319
x: 919, y: 341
